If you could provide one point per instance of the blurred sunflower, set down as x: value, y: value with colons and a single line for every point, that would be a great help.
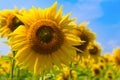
x: 102, y: 66
x: 64, y: 75
x: 8, y: 21
x: 85, y: 35
x: 94, y: 50
x: 4, y: 66
x: 86, y: 62
x: 101, y: 60
x: 116, y: 57
x: 44, y: 41
x: 109, y: 75
x: 108, y: 58
x: 2, y: 72
x: 96, y: 71
x: 67, y: 75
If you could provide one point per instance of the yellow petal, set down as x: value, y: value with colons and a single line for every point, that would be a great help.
x: 65, y: 18
x: 58, y: 16
x: 22, y: 54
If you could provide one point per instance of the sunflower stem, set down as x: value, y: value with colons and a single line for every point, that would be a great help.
x: 18, y: 72
x: 13, y: 65
x: 42, y: 76
x: 70, y: 71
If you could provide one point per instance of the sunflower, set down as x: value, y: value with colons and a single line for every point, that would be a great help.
x: 64, y: 75
x: 96, y: 71
x: 116, y: 57
x: 94, y: 50
x: 109, y: 75
x: 85, y: 35
x: 4, y: 66
x: 44, y: 41
x: 67, y: 74
x: 86, y: 62
x: 8, y: 21
x: 102, y: 66
x: 108, y: 58
x: 101, y: 60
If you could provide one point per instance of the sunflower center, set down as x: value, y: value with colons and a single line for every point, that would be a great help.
x: 97, y: 71
x: 17, y: 22
x: 101, y: 67
x: 93, y: 50
x: 45, y: 33
x: 117, y: 60
x: 85, y: 38
x: 45, y: 37
x: 13, y: 22
x: 83, y: 46
x: 110, y: 77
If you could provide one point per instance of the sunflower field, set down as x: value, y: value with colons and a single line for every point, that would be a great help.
x: 45, y: 45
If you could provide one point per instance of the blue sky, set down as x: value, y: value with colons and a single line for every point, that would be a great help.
x: 103, y: 17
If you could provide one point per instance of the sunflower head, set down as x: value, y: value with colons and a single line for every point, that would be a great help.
x: 86, y: 62
x: 101, y: 59
x: 85, y: 35
x: 94, y: 50
x: 96, y: 71
x: 66, y: 74
x: 116, y: 57
x: 102, y: 66
x: 108, y: 58
x: 109, y: 75
x: 9, y: 21
x: 2, y: 72
x: 4, y: 66
x: 13, y: 22
x: 45, y: 38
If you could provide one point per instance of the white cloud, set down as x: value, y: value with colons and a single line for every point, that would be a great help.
x: 110, y: 46
x: 85, y: 10
x: 107, y: 35
x: 113, y: 44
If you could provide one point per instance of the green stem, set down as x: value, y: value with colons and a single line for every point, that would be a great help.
x: 18, y: 72
x: 42, y: 76
x: 70, y: 71
x: 13, y: 66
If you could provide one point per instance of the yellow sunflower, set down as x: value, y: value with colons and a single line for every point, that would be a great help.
x: 4, y: 66
x: 96, y: 71
x: 101, y: 60
x: 116, y: 57
x: 67, y: 74
x: 102, y: 66
x: 86, y: 62
x: 94, y: 50
x: 8, y: 21
x: 44, y: 41
x: 108, y: 58
x: 109, y: 75
x: 85, y: 35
